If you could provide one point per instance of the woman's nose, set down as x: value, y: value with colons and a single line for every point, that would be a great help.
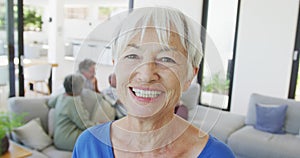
x: 147, y: 72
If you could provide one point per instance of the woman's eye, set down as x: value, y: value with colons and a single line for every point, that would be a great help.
x: 167, y: 59
x: 131, y: 56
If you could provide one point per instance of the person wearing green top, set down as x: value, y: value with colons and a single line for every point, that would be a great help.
x: 71, y: 118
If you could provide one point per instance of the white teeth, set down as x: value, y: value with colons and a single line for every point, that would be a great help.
x: 146, y: 93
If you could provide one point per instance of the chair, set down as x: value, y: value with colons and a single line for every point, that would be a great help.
x: 38, y: 74
x: 32, y: 51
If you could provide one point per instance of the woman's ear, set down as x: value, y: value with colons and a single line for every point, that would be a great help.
x: 189, y: 81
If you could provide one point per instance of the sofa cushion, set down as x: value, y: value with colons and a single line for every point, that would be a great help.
x: 51, y: 151
x: 251, y: 143
x: 32, y: 135
x: 270, y: 118
x: 291, y: 125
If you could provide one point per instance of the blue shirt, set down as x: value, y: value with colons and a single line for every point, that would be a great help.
x: 95, y: 143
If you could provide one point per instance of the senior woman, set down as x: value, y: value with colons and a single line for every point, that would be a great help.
x: 157, y: 54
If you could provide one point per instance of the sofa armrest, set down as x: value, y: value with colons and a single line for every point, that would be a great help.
x: 31, y: 107
x: 220, y: 124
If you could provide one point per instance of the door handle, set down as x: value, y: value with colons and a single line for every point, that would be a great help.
x: 295, y: 57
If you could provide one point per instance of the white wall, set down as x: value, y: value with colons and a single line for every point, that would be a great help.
x: 192, y: 8
x: 264, y: 50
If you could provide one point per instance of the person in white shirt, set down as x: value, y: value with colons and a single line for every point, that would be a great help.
x: 112, y: 94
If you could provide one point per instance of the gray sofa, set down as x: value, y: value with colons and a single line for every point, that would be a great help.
x: 239, y: 134
x: 235, y: 130
x: 248, y: 142
x: 36, y: 108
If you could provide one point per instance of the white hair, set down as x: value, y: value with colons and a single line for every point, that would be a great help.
x: 165, y: 21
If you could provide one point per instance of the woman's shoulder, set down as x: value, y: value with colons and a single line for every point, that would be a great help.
x: 94, y: 142
x: 97, y: 131
x: 215, y: 149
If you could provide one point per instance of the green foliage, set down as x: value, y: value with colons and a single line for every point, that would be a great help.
x: 32, y: 19
x: 105, y: 12
x: 2, y: 16
x: 9, y: 121
x: 217, y: 85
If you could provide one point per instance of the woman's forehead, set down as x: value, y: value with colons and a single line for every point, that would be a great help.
x: 150, y: 35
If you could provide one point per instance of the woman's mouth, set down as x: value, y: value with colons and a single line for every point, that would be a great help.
x: 145, y: 93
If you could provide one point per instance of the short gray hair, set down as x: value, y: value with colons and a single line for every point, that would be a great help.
x: 73, y: 84
x: 165, y: 21
x: 85, y: 65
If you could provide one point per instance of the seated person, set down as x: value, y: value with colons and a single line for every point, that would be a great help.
x: 113, y: 98
x: 71, y: 118
x: 87, y: 70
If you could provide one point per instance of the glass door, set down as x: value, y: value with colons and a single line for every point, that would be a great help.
x: 218, y: 58
x: 4, y: 62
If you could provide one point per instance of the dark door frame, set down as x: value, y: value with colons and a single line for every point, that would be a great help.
x: 20, y: 46
x: 10, y: 45
x: 204, y: 20
x: 295, y: 64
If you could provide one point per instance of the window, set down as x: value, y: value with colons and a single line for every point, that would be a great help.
x: 76, y: 12
x: 2, y: 16
x: 107, y: 12
x: 32, y: 18
x: 219, y: 42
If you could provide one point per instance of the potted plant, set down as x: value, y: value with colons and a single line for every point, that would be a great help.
x: 217, y: 85
x: 8, y: 121
x: 215, y: 91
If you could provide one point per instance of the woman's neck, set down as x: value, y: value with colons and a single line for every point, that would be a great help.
x: 146, y: 124
x: 141, y: 135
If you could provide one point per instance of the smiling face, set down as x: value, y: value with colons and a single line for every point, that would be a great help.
x: 150, y: 76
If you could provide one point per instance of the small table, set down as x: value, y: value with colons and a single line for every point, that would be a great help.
x: 16, y: 151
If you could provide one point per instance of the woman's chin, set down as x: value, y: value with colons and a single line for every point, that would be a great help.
x: 145, y: 107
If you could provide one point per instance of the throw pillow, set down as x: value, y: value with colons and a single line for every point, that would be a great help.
x: 32, y: 135
x: 270, y: 118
